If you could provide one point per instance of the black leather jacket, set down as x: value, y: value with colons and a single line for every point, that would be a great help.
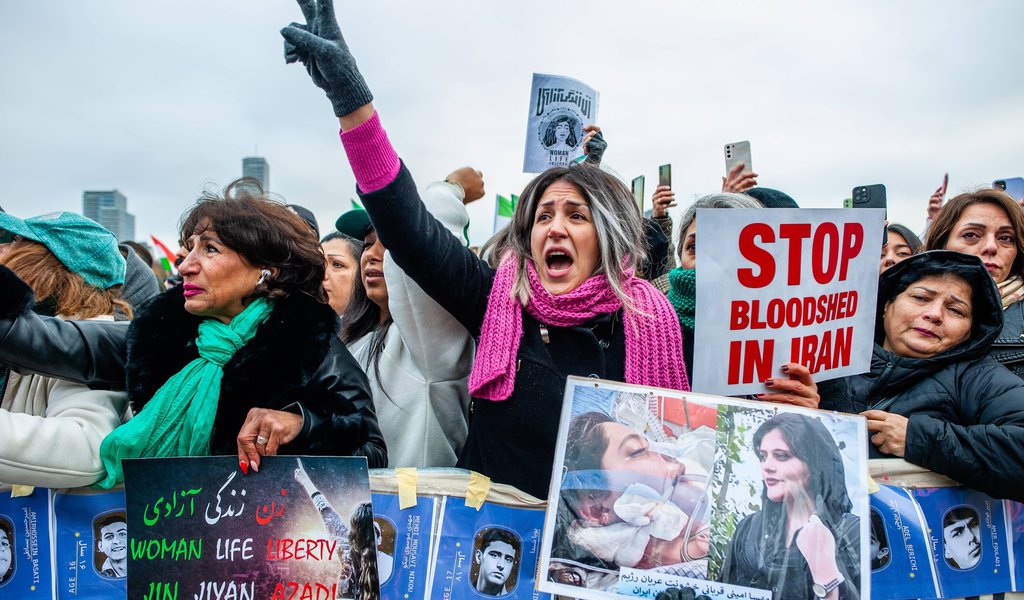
x: 1008, y: 348
x: 295, y: 362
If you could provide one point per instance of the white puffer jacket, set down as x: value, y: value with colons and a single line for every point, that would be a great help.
x: 51, y: 430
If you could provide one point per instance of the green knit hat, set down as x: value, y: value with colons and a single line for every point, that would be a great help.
x: 81, y: 244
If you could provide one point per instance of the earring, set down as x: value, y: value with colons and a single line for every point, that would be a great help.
x: 263, y: 277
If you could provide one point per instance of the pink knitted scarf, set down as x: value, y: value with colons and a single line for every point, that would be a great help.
x: 654, y: 343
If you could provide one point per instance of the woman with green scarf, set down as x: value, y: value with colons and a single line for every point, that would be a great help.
x: 242, y: 358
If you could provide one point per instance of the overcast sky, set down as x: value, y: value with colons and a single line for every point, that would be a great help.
x: 163, y: 99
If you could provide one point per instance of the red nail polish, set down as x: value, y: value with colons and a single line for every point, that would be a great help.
x: 785, y: 368
x: 245, y: 467
x: 769, y: 382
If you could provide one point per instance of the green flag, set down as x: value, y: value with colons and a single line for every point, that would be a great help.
x: 506, y: 206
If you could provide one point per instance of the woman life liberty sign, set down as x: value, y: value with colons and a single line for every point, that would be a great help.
x: 559, y: 109
x: 784, y: 285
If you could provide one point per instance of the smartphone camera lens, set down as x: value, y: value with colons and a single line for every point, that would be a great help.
x: 1000, y: 185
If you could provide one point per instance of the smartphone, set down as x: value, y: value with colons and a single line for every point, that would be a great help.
x: 638, y: 192
x: 665, y: 175
x: 945, y: 185
x: 735, y: 154
x: 870, y: 196
x: 1013, y: 186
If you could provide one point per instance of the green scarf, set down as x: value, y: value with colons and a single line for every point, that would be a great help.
x: 682, y: 294
x: 178, y: 420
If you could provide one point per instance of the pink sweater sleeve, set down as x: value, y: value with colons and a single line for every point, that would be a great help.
x: 374, y: 161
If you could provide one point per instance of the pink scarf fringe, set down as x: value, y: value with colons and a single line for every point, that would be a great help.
x: 654, y: 342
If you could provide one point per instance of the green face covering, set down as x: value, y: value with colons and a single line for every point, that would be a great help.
x: 682, y: 294
x: 178, y: 420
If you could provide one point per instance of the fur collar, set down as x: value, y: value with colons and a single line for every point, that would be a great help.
x: 269, y: 372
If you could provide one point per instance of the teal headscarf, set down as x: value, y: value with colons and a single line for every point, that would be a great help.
x: 178, y: 420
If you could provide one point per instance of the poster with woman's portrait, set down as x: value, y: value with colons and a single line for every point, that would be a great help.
x: 559, y: 109
x: 969, y: 540
x: 25, y: 545
x: 662, y: 489
x: 303, y: 527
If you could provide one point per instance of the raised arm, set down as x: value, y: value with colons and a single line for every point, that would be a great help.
x: 446, y: 270
x: 439, y: 345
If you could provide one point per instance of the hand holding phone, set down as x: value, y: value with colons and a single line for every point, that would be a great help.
x: 739, y: 172
x: 937, y: 198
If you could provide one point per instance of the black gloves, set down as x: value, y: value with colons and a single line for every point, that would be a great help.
x: 320, y: 47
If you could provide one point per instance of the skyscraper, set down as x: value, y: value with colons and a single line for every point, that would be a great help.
x: 257, y: 166
x: 109, y: 208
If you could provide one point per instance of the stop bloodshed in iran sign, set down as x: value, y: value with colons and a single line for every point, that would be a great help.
x: 783, y: 285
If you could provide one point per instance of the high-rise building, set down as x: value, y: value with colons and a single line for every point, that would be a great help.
x: 257, y: 166
x: 109, y: 208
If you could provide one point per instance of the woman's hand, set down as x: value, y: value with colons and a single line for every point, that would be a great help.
x: 798, y: 390
x: 263, y: 432
x: 890, y: 431
x: 320, y: 47
x: 471, y: 181
x: 594, y: 144
x: 738, y: 181
x: 818, y: 546
x: 935, y: 203
x: 662, y: 200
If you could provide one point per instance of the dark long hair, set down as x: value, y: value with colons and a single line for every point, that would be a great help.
x: 762, y: 558
x: 266, y: 233
x: 362, y: 317
x: 363, y: 552
x: 810, y: 441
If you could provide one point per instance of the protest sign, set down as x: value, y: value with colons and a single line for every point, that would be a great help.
x: 970, y: 540
x: 91, y: 543
x: 486, y: 552
x: 403, y: 545
x: 300, y: 528
x: 784, y: 285
x: 25, y: 570
x: 900, y: 554
x: 659, y: 489
x: 559, y: 109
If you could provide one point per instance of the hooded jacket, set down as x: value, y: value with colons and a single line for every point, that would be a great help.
x: 965, y: 410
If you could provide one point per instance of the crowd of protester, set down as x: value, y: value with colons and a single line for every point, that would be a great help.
x: 391, y: 339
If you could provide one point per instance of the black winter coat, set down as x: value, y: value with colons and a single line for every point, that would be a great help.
x: 965, y: 410
x: 511, y: 441
x: 1008, y: 348
x: 294, y: 362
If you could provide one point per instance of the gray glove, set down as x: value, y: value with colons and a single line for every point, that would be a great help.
x: 320, y: 47
x: 595, y: 149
